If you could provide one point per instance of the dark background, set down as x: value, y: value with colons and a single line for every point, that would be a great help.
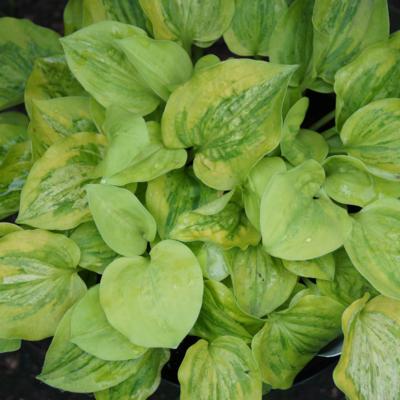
x: 18, y: 370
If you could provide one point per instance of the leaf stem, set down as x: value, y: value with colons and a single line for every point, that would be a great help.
x: 323, y: 121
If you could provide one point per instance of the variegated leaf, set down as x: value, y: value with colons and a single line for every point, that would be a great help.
x: 370, y: 358
x: 21, y: 42
x: 103, y: 69
x: 222, y: 369
x: 318, y: 268
x: 230, y: 128
x: 54, y: 196
x: 38, y: 283
x: 7, y: 227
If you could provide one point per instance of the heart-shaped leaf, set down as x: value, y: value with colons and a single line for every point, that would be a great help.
x: 173, y: 285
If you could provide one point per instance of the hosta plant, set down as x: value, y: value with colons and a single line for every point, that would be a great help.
x: 163, y: 187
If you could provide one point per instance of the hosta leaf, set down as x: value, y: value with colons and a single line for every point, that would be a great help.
x: 136, y: 152
x: 173, y: 285
x: 311, y: 225
x: 21, y: 43
x: 73, y: 16
x: 378, y: 223
x: 127, y: 11
x: 231, y: 128
x: 260, y: 283
x: 292, y: 337
x: 252, y: 26
x: 95, y: 254
x: 299, y: 145
x: 67, y: 367
x: 54, y: 119
x: 318, y: 268
x: 372, y: 134
x: 123, y: 222
x: 143, y: 383
x: 38, y: 283
x: 13, y: 173
x: 348, y: 284
x: 50, y: 79
x: 292, y: 39
x: 222, y: 369
x: 54, y: 196
x: 9, y: 345
x: 103, y: 69
x: 373, y: 75
x: 220, y: 315
x: 11, y: 133
x: 213, y: 261
x: 162, y: 64
x: 370, y: 357
x: 256, y: 183
x: 91, y: 331
x: 7, y: 227
x: 176, y: 201
x: 342, y: 29
x: 189, y: 22
x: 206, y: 61
x: 349, y: 182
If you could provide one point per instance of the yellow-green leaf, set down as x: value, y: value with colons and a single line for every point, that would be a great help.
x: 38, y: 283
x: 318, y: 268
x: 220, y: 370
x: 173, y: 285
x: 368, y: 366
x: 54, y: 196
x: 21, y: 42
x: 230, y: 128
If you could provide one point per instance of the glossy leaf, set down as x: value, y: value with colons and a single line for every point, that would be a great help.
x: 260, y: 283
x: 348, y: 284
x: 370, y: 356
x: 342, y: 29
x: 175, y: 200
x: 143, y: 383
x: 123, y: 222
x: 38, y: 283
x: 50, y: 79
x: 349, y: 182
x: 67, y: 367
x: 95, y: 254
x: 189, y: 22
x: 319, y: 268
x: 54, y: 196
x: 136, y: 152
x: 104, y: 71
x: 162, y: 64
x: 309, y: 224
x: 373, y: 75
x: 21, y: 42
x: 221, y: 369
x: 292, y: 39
x: 252, y: 26
x: 256, y: 183
x: 13, y: 173
x: 231, y: 128
x: 378, y: 223
x: 220, y: 315
x: 159, y: 298
x: 372, y: 134
x: 91, y: 331
x: 292, y: 337
x: 57, y: 118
